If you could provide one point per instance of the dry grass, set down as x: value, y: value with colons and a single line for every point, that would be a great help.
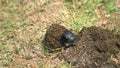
x: 22, y: 27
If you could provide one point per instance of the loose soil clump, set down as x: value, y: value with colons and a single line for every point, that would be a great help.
x: 58, y: 36
x: 53, y: 35
x: 96, y: 47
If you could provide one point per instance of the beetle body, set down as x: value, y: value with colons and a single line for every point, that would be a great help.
x: 68, y: 38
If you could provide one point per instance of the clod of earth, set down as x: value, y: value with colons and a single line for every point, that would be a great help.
x: 58, y: 36
x: 95, y: 47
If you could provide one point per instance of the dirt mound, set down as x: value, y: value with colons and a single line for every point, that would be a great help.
x: 95, y: 48
x: 53, y: 35
x: 58, y: 36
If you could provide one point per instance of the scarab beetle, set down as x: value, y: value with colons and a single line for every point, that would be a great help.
x: 68, y: 39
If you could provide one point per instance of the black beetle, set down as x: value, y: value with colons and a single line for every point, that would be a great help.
x: 68, y: 39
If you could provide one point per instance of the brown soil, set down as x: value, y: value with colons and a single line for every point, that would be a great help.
x: 53, y: 35
x: 96, y: 47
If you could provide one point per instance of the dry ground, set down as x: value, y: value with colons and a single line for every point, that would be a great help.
x: 22, y: 39
x: 22, y: 27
